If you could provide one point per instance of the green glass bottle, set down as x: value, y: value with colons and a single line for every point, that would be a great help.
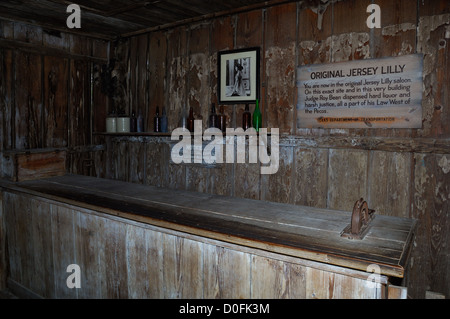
x: 257, y: 117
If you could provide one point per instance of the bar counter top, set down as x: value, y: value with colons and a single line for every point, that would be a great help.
x: 299, y: 231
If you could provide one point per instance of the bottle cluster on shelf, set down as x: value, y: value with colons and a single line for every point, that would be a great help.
x: 219, y: 120
x: 135, y: 124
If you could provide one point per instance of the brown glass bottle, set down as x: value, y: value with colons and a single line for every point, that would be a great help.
x: 213, y: 121
x: 222, y: 120
x: 190, y: 120
x: 246, y: 118
x: 133, y: 122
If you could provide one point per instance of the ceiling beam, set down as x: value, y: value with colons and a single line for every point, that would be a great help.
x: 223, y: 13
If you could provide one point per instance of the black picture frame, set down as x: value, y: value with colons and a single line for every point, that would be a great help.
x: 238, y: 76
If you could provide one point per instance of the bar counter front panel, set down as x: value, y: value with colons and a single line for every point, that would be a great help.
x: 137, y: 241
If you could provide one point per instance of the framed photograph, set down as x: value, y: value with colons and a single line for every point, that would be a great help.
x: 238, y: 76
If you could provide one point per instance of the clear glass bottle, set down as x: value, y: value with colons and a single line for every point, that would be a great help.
x: 140, y: 122
x: 157, y: 121
x: 222, y: 120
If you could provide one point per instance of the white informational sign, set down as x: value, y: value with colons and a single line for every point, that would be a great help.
x: 375, y: 93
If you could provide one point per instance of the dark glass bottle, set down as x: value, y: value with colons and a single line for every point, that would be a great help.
x: 183, y: 120
x: 257, y: 117
x: 222, y: 120
x: 246, y: 118
x: 157, y: 121
x: 133, y: 121
x: 190, y: 120
x: 164, y: 128
x: 140, y: 122
x: 213, y: 121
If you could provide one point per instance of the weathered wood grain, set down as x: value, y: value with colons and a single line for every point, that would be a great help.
x: 347, y: 178
x: 123, y: 258
x: 79, y: 105
x: 226, y: 273
x: 310, y: 177
x: 280, y: 65
x: 278, y: 187
x: 157, y: 72
x: 55, y: 101
x: 90, y: 255
x: 302, y: 232
x: 270, y: 278
x: 389, y: 183
x: 137, y: 162
x: 182, y: 268
x: 115, y: 259
x: 3, y: 245
x: 63, y: 221
x: 6, y: 99
x: 431, y: 207
x: 177, y: 65
x: 28, y: 101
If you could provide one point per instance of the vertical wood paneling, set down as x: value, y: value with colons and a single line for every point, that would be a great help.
x: 156, y: 163
x: 63, y: 222
x: 280, y: 66
x: 157, y: 72
x: 347, y: 178
x: 247, y: 180
x: 138, y: 281
x: 3, y: 247
x: 198, y: 82
x: 6, y: 99
x: 177, y: 64
x: 389, y: 183
x: 431, y: 208
x: 14, y: 253
x: 183, y: 271
x: 278, y: 187
x: 28, y: 99
x: 115, y: 259
x: 249, y: 33
x: 90, y: 243
x: 79, y: 105
x: 222, y: 38
x: 24, y: 236
x: 310, y: 177
x: 137, y: 161
x: 270, y: 278
x: 133, y: 78
x: 55, y: 127
x: 41, y: 242
x: 226, y: 273
x: 155, y: 263
x: 198, y: 179
x: 100, y: 101
x: 142, y: 84
x: 120, y: 259
x: 221, y: 180
x: 121, y: 159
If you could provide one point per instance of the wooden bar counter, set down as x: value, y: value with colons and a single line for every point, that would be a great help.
x: 137, y: 241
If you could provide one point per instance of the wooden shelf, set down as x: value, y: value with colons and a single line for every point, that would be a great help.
x: 133, y: 134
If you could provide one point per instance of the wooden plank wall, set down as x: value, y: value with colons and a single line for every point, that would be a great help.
x: 125, y: 259
x: 401, y: 172
x: 45, y: 91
